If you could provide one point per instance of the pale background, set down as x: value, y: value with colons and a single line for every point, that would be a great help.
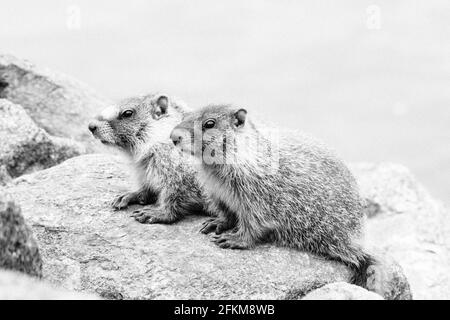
x: 371, y: 78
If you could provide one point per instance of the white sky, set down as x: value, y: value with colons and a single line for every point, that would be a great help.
x: 372, y: 94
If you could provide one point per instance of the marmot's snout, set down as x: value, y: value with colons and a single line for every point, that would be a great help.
x: 95, y: 128
x: 92, y: 127
x: 102, y: 131
x: 176, y: 135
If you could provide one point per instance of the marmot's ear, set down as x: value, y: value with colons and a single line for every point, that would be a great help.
x: 162, y: 104
x: 239, y: 118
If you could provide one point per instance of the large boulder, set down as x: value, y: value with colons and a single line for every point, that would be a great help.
x: 18, y: 248
x: 89, y: 247
x: 86, y: 246
x: 57, y: 103
x: 409, y: 225
x: 341, y: 291
x: 17, y: 286
x: 24, y: 147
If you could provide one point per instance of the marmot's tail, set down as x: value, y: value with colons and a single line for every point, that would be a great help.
x: 358, y: 261
x: 359, y: 276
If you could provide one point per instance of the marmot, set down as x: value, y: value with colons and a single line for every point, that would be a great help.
x: 305, y: 199
x: 141, y: 126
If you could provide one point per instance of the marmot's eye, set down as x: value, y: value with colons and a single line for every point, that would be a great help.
x: 209, y: 124
x: 127, y: 113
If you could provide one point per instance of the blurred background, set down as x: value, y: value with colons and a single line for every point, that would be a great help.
x: 370, y: 78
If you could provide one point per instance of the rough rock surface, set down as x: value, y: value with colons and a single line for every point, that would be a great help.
x: 14, y: 285
x: 4, y: 176
x: 18, y: 249
x: 410, y: 226
x: 390, y: 188
x: 88, y: 247
x: 60, y: 105
x: 24, y: 147
x: 387, y: 278
x: 341, y: 291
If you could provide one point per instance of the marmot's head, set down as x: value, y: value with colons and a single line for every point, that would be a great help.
x: 137, y: 121
x: 211, y: 133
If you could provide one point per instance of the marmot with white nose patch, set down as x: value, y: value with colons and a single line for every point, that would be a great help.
x: 140, y: 127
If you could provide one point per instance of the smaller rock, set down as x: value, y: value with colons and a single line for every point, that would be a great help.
x: 341, y: 291
x: 388, y: 188
x: 17, y: 286
x: 24, y: 147
x: 5, y: 178
x: 18, y: 249
x: 57, y: 103
x: 388, y: 280
x: 409, y: 224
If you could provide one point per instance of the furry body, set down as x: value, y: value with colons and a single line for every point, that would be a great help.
x: 308, y: 201
x: 140, y: 127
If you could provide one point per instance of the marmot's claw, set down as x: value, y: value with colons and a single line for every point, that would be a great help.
x: 136, y: 213
x: 214, y: 224
x: 221, y: 227
x: 229, y: 241
x: 121, y: 201
x: 208, y: 226
x: 207, y: 221
x: 148, y: 216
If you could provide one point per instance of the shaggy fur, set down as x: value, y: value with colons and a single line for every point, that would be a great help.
x: 140, y: 127
x: 295, y: 193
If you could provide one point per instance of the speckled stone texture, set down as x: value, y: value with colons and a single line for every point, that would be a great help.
x: 60, y: 105
x: 410, y: 226
x: 87, y: 246
x: 18, y: 249
x: 24, y: 147
x: 15, y: 285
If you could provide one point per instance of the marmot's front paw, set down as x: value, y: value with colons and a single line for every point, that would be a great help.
x: 150, y: 215
x: 218, y: 225
x: 230, y: 240
x: 122, y: 201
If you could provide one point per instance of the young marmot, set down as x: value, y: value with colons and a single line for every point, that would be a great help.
x: 295, y: 193
x: 141, y: 126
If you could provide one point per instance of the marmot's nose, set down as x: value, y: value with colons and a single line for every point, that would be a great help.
x: 176, y: 136
x: 92, y: 127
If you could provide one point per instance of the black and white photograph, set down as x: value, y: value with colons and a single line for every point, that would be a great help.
x: 225, y: 155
